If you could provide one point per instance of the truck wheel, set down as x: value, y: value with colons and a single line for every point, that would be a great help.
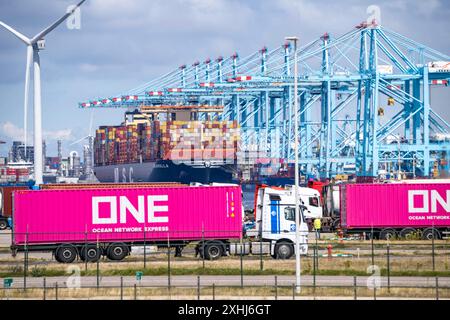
x: 428, y: 233
x: 213, y: 251
x: 3, y: 225
x: 117, y: 251
x: 66, y: 254
x: 90, y: 253
x: 387, y: 234
x: 284, y: 250
x: 407, y: 233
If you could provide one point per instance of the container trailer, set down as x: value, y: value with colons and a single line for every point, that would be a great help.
x: 389, y: 210
x: 6, y: 193
x: 93, y: 222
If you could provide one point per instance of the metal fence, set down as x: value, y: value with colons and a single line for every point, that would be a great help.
x: 273, y: 288
x: 346, y: 268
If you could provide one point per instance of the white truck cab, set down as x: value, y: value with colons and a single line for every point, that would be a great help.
x: 275, y: 219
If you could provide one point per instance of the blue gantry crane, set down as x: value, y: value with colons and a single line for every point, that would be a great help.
x: 364, y: 101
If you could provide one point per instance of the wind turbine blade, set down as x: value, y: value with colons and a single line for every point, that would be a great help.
x: 16, y: 33
x: 49, y: 29
x: 27, y: 88
x: 78, y: 141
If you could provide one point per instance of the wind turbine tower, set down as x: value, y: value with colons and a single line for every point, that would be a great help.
x: 34, y: 45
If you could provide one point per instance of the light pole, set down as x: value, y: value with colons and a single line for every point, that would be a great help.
x: 297, y: 204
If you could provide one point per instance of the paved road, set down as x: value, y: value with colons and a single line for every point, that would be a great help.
x: 191, y: 281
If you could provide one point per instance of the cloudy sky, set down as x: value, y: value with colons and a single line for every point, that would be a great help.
x: 122, y: 44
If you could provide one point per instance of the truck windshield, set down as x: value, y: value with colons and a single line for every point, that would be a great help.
x: 289, y: 214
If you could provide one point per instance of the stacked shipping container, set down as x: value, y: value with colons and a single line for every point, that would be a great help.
x: 169, y: 140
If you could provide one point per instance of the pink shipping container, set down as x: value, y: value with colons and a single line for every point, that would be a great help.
x: 120, y: 215
x: 395, y: 205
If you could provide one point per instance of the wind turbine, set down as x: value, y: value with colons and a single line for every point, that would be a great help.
x: 33, y: 46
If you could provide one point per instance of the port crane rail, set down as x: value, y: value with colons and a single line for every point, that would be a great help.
x: 343, y: 83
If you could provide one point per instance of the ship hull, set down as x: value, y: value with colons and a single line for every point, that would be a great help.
x: 163, y: 171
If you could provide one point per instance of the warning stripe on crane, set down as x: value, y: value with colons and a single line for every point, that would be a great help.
x: 439, y: 82
x: 244, y: 78
x: 174, y: 90
x: 155, y: 93
x: 127, y: 98
x: 116, y: 99
x: 105, y: 101
x: 95, y: 103
x: 86, y: 105
x: 207, y: 84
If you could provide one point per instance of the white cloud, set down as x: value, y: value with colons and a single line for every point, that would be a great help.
x: 64, y: 134
x: 10, y: 131
x: 87, y: 67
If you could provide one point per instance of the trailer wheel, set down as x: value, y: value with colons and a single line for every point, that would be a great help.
x: 284, y: 250
x: 387, y: 234
x: 66, y: 254
x: 90, y: 253
x: 428, y: 234
x: 407, y: 233
x: 213, y: 250
x: 3, y: 224
x: 117, y: 251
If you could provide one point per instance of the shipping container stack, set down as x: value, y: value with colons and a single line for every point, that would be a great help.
x: 220, y: 141
x: 200, y: 141
x: 149, y: 141
x: 110, y: 145
x: 185, y: 141
x: 132, y: 144
x: 100, y: 146
x: 121, y: 146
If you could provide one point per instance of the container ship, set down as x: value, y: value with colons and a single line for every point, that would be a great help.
x: 168, y: 144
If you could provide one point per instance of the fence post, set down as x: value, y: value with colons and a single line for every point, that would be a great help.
x: 45, y: 288
x: 437, y: 288
x: 242, y: 266
x: 261, y: 265
x: 56, y: 290
x: 198, y: 287
x: 214, y: 291
x: 293, y: 291
x: 373, y: 253
x: 276, y: 288
x: 85, y: 250
x: 203, y: 247
x: 145, y: 251
x: 98, y: 269
x: 314, y: 267
x: 316, y: 255
x: 121, y: 288
x: 355, y: 288
x: 168, y: 265
x: 25, y: 262
x: 135, y: 292
x: 388, y: 267
x: 432, y: 253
